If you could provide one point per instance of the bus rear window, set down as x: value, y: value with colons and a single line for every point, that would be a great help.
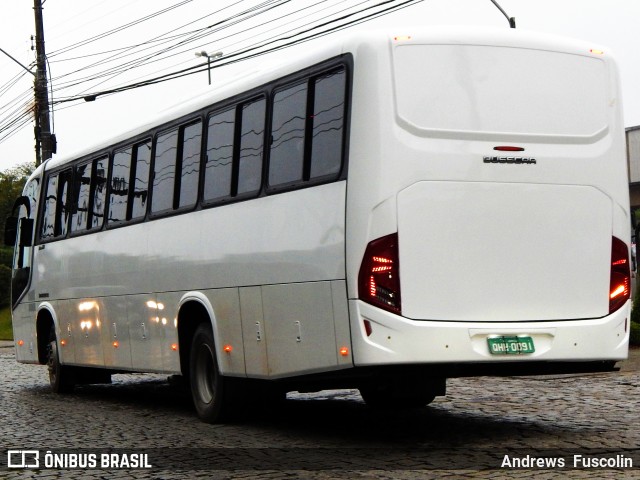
x: 498, y: 89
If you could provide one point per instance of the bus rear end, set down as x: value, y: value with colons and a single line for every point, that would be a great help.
x: 488, y: 210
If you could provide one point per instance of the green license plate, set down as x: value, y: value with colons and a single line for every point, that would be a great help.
x: 510, y: 345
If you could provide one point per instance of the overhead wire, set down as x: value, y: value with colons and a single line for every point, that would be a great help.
x: 128, y: 67
x: 163, y: 38
x: 229, y: 36
x: 232, y: 20
x: 282, y: 40
x: 116, y: 30
x: 252, y: 53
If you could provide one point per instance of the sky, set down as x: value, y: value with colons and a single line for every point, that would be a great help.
x: 74, y: 64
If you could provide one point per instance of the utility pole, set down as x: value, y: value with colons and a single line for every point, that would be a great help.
x: 44, y: 142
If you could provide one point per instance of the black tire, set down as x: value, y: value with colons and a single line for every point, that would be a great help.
x: 60, y: 376
x: 390, y: 397
x: 209, y: 389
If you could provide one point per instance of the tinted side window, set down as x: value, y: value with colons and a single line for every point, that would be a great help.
x: 56, y: 212
x: 141, y: 181
x: 190, y: 165
x: 100, y: 175
x: 251, y: 147
x: 328, y: 124
x: 164, y: 171
x: 286, y: 161
x: 119, y: 192
x: 219, y: 160
x: 50, y: 206
x: 81, y: 197
x: 64, y: 193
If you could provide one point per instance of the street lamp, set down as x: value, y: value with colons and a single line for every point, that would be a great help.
x: 209, y: 58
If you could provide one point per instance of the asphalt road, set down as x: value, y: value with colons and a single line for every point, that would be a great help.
x: 484, y: 428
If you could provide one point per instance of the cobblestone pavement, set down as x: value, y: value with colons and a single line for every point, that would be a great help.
x: 471, y: 433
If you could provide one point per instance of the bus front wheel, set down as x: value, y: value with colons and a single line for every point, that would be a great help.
x: 207, y: 385
x: 60, y: 376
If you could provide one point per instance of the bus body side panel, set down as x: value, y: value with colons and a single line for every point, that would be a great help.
x: 24, y: 329
x: 122, y: 288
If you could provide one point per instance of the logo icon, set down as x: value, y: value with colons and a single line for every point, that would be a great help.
x: 23, y: 459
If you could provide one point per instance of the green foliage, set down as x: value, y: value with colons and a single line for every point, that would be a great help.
x: 635, y: 319
x: 635, y: 310
x: 6, y: 332
x: 5, y: 285
x: 634, y: 340
x: 6, y: 258
x: 12, y: 182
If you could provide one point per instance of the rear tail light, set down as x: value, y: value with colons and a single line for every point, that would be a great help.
x: 619, y: 286
x: 379, y: 277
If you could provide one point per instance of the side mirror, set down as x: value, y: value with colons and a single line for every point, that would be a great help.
x: 26, y: 225
x: 10, y: 230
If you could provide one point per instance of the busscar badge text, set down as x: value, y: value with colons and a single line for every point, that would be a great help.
x: 516, y: 160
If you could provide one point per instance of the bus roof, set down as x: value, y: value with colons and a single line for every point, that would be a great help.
x: 352, y: 42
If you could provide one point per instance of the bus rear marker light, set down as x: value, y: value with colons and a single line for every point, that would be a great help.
x: 367, y: 328
x: 227, y: 348
x: 620, y: 279
x: 508, y: 148
x: 344, y: 351
x: 379, y: 276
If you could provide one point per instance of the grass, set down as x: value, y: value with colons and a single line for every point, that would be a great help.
x: 6, y: 333
x: 634, y: 341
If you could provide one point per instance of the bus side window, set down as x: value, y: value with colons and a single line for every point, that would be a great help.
x: 252, y: 122
x: 219, y: 159
x: 56, y: 213
x: 190, y: 164
x: 120, y: 185
x: 328, y: 124
x: 50, y: 206
x: 286, y: 158
x: 138, y: 201
x: 81, y: 197
x: 164, y: 171
x: 99, y: 187
x: 62, y: 210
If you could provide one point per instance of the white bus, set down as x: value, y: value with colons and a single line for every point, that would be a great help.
x: 386, y: 212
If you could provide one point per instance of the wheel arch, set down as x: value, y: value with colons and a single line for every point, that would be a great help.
x: 194, y: 309
x: 45, y: 319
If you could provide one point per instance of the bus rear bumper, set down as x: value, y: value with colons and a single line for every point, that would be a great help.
x: 591, y: 344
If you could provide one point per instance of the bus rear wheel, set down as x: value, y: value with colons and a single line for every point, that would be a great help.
x: 208, y: 387
x: 60, y: 376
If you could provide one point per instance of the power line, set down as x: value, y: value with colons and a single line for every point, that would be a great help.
x: 243, y: 15
x: 289, y: 38
x: 255, y: 51
x: 117, y: 29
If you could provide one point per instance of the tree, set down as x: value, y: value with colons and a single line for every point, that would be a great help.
x: 12, y: 182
